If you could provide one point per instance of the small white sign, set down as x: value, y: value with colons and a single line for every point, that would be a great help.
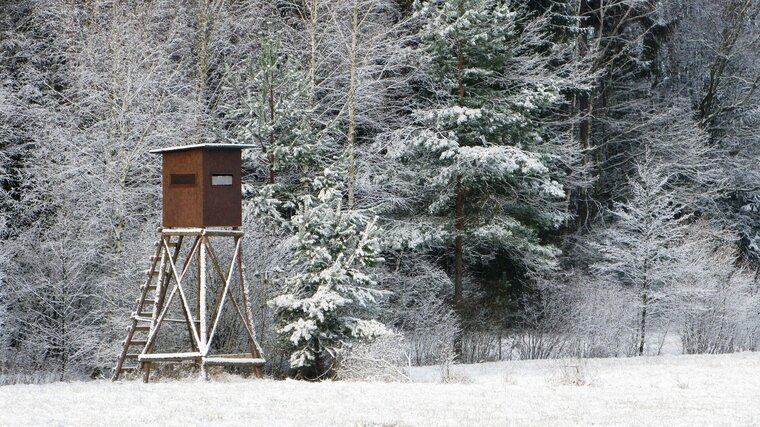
x: 221, y: 180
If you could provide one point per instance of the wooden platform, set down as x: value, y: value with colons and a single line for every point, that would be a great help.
x: 169, y: 290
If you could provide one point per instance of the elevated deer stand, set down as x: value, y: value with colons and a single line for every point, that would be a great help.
x: 202, y: 203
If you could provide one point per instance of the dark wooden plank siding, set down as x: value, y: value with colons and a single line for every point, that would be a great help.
x: 183, y: 204
x: 222, y: 204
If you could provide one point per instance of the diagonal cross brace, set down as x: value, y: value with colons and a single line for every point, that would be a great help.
x: 167, y: 304
x: 227, y: 282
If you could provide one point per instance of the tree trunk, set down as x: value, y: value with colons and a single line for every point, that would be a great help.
x: 352, y: 107
x: 737, y: 13
x: 584, y: 105
x: 116, y: 135
x: 203, y: 52
x: 312, y: 29
x: 271, y: 133
x: 459, y: 218
x: 642, y: 337
x: 458, y: 244
x: 459, y: 196
x: 319, y: 363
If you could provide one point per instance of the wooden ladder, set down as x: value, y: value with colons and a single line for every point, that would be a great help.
x: 149, y: 305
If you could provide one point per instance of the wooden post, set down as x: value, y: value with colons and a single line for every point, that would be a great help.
x: 203, y: 332
x: 255, y: 349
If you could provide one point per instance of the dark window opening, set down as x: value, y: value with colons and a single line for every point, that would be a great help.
x: 221, y: 180
x: 183, y: 179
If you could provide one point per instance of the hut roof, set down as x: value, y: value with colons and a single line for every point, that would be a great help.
x: 209, y: 146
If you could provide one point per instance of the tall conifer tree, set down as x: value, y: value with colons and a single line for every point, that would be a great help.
x: 477, y: 137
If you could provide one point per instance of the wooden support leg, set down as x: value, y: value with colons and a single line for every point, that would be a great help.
x: 255, y: 349
x: 203, y: 327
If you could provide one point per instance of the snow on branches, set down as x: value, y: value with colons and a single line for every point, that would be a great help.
x: 329, y: 296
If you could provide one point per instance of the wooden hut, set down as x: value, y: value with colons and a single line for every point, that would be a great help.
x: 201, y: 185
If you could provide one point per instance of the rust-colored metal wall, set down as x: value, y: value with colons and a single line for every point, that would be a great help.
x: 201, y: 204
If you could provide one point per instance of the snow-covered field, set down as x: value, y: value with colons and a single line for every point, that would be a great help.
x: 665, y: 390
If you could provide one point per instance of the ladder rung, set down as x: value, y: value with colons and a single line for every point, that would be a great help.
x: 146, y: 301
x: 142, y: 328
x: 131, y: 355
x: 144, y: 317
x: 151, y: 272
x: 149, y: 287
x: 140, y: 343
x: 170, y: 244
x: 128, y: 368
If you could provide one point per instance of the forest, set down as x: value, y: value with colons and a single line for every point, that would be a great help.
x: 434, y: 181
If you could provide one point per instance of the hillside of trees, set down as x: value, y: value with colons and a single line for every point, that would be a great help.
x: 434, y: 180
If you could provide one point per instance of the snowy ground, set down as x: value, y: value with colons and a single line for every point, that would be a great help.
x: 665, y: 390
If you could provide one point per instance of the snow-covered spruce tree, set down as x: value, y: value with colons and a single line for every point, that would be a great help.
x: 641, y: 248
x: 329, y: 296
x: 262, y: 107
x: 265, y: 103
x: 491, y: 177
x: 267, y: 106
x: 325, y: 291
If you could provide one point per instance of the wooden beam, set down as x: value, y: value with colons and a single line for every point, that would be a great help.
x: 234, y: 361
x: 160, y: 280
x: 162, y: 254
x: 255, y: 347
x: 168, y: 357
x: 177, y: 286
x: 203, y: 345
x: 233, y: 355
x: 201, y: 232
x: 224, y: 293
x: 215, y: 260
x: 169, y: 320
x: 248, y: 330
x: 204, y: 326
x: 218, y: 268
x: 183, y: 298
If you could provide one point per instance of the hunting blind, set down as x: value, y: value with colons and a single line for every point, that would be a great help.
x: 201, y: 185
x: 181, y: 297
